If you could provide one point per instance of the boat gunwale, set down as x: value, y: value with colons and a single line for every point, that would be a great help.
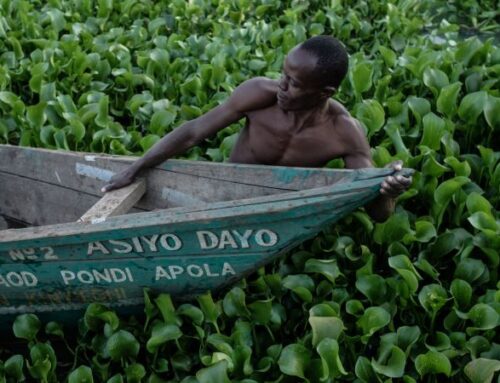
x: 131, y: 221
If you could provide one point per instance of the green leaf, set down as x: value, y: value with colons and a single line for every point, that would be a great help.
x: 373, y: 287
x: 419, y: 107
x: 433, y: 363
x: 394, y: 367
x: 35, y: 115
x: 361, y: 77
x: 300, y: 284
x: 261, y: 311
x: 234, y: 303
x: 294, y: 359
x: 407, y: 336
x: 26, y: 326
x: 327, y: 267
x: 434, y: 128
x: 472, y: 106
x: 82, y: 374
x: 210, y: 310
x: 476, y: 203
x: 445, y: 191
x: 372, y: 320
x: 214, y: 373
x: 405, y: 268
x: 43, y: 359
x: 371, y: 114
x: 14, y: 367
x: 461, y: 292
x: 192, y: 312
x: 122, y: 344
x: 470, y: 270
x: 161, y: 121
x: 483, y: 221
x: 388, y: 55
x: 393, y: 229
x: 481, y: 370
x: 447, y: 100
x: 328, y: 350
x: 432, y: 297
x: 167, y: 309
x: 149, y: 141
x: 364, y: 370
x: 484, y: 317
x: 161, y: 334
x: 491, y: 112
x: 325, y: 327
x: 435, y: 79
x: 135, y: 372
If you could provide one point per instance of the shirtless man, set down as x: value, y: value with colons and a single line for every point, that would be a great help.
x: 290, y: 122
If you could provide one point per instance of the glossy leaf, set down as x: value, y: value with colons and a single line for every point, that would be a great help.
x: 294, y: 360
x: 433, y: 363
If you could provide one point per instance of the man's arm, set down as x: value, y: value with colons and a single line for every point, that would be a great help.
x: 357, y: 155
x: 252, y: 94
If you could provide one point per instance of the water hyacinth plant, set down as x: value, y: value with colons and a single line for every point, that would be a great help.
x: 414, y: 299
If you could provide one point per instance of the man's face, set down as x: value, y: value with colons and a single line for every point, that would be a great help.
x: 299, y: 87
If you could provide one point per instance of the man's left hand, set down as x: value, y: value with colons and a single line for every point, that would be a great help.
x: 393, y: 186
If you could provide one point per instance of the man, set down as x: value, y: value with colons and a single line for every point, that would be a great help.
x: 290, y: 122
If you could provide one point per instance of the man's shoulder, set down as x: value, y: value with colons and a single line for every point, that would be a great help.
x: 256, y: 93
x: 347, y: 127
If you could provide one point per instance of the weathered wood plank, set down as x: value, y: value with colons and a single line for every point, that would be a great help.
x: 3, y: 223
x: 39, y: 203
x: 115, y: 202
x: 284, y: 178
x: 88, y: 173
x: 210, y: 213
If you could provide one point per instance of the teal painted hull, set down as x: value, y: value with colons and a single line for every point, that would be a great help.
x: 57, y: 270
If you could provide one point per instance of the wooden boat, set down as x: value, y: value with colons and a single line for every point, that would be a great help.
x: 200, y: 226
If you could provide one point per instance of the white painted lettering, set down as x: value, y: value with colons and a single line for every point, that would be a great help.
x: 207, y: 240
x: 175, y: 271
x: 170, y: 242
x: 226, y: 239
x: 227, y: 269
x: 104, y: 276
x: 243, y: 238
x: 161, y: 273
x: 49, y: 253
x: 137, y: 245
x: 129, y: 274
x: 151, y: 242
x: 194, y: 271
x: 16, y: 255
x: 208, y: 272
x: 123, y: 247
x: 67, y: 276
x: 30, y: 280
x: 85, y: 276
x: 118, y: 275
x: 14, y: 279
x: 266, y: 238
x: 96, y: 246
x: 3, y: 281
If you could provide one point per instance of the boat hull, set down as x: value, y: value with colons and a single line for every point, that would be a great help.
x: 57, y: 270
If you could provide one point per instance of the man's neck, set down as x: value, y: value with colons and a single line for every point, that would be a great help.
x: 309, y: 116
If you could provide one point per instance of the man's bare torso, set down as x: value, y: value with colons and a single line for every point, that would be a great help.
x: 273, y: 136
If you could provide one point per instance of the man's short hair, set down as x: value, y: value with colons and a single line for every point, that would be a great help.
x: 333, y: 61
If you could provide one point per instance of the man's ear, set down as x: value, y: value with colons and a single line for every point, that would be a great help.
x: 328, y: 91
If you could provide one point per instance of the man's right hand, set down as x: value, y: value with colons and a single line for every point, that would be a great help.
x: 119, y: 180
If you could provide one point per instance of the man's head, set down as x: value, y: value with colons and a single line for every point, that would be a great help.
x: 312, y: 72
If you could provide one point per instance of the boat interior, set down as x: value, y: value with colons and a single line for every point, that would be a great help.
x: 43, y: 187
